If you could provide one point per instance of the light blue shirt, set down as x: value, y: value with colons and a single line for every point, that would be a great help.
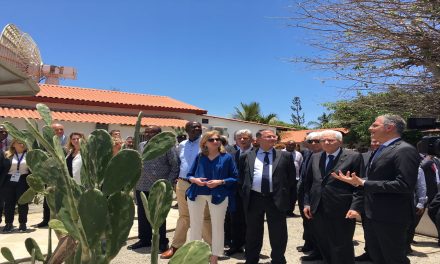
x: 335, y: 154
x: 420, y: 197
x: 188, y: 151
x: 258, y: 170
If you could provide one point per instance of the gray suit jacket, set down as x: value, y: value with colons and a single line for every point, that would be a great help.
x: 334, y: 196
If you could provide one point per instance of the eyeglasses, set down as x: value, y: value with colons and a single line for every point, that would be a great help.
x: 310, y: 141
x: 213, y: 139
x: 328, y: 140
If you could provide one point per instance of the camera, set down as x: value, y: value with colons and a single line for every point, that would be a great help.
x: 428, y: 144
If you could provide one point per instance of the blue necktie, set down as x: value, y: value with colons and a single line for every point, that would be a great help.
x: 378, y: 151
x: 265, y: 188
x: 329, y: 164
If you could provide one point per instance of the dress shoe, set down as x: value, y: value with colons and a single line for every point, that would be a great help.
x: 304, y: 248
x: 363, y: 257
x: 42, y: 224
x: 312, y: 257
x: 139, y: 244
x: 233, y: 251
x: 169, y: 253
x: 22, y: 228
x: 7, y: 228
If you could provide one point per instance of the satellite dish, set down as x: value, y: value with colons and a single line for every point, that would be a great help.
x: 18, y: 51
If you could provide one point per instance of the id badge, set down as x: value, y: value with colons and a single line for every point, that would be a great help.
x: 15, y: 177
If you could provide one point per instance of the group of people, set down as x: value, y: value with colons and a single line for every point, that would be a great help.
x: 14, y: 171
x: 225, y: 192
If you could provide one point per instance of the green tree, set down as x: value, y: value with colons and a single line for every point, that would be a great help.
x: 358, y: 113
x: 324, y: 121
x: 297, y: 117
x: 252, y: 112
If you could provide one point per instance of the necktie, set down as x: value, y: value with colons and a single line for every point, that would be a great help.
x: 378, y: 151
x: 329, y: 164
x: 265, y: 188
x: 1, y: 145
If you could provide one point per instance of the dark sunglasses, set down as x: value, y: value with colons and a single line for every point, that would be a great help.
x: 213, y: 139
x: 310, y: 141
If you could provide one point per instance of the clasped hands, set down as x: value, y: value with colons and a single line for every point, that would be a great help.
x: 202, y: 182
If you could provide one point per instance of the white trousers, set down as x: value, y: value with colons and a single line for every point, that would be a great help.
x: 217, y: 212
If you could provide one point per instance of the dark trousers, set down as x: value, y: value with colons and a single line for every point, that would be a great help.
x: 2, y: 204
x: 227, y: 228
x: 435, y: 218
x: 293, y: 196
x: 363, y: 217
x: 13, y: 192
x: 260, y: 206
x: 386, y: 241
x: 307, y: 226
x: 46, y: 211
x: 334, y: 237
x: 145, y: 233
x: 238, y: 224
x: 412, y: 230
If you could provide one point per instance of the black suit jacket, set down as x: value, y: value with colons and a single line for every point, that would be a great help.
x: 334, y: 196
x: 391, y: 180
x: 283, y: 177
x: 5, y: 165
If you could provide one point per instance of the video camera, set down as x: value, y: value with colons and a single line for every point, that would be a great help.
x: 428, y: 144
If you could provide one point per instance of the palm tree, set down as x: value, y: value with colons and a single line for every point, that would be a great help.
x: 252, y: 112
x: 248, y: 112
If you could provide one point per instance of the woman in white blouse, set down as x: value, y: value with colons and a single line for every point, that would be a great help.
x: 73, y: 158
x: 16, y: 185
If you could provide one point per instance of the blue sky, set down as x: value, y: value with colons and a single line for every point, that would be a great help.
x: 213, y: 54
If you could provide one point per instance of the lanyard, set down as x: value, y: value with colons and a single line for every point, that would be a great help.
x: 19, y: 160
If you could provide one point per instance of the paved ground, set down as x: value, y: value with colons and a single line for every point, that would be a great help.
x: 425, y: 251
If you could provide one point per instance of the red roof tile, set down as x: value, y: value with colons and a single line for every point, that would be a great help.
x: 299, y: 135
x: 121, y: 99
x: 93, y: 117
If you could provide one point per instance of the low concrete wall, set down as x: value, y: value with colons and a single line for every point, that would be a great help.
x: 426, y: 226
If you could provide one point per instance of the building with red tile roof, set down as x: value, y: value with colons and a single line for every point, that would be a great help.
x: 85, y: 109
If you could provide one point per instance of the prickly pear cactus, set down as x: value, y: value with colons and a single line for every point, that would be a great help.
x: 195, y: 252
x: 156, y: 208
x: 98, y: 213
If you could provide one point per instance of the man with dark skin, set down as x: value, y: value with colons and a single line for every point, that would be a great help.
x: 188, y: 150
x: 165, y: 167
x: 297, y: 159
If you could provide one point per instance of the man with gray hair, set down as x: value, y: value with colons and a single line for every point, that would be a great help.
x: 313, y: 146
x: 237, y: 222
x: 388, y: 191
x: 327, y: 200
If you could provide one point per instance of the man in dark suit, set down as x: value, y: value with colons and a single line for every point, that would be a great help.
x: 266, y: 175
x: 328, y: 200
x: 313, y: 144
x: 237, y: 222
x: 388, y: 191
x: 374, y: 145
